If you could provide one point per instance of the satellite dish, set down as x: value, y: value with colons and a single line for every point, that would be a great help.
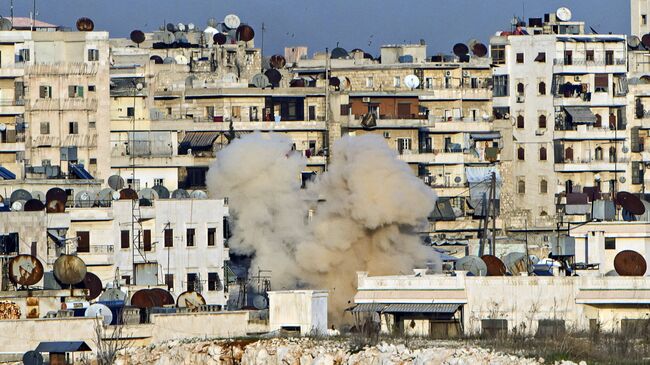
x: 171, y: 27
x: 345, y: 83
x: 625, y: 149
x: 645, y: 40
x: 148, y: 193
x: 622, y: 179
x: 5, y: 24
x: 339, y: 53
x: 245, y: 33
x: 411, y: 81
x: 137, y: 36
x: 212, y: 22
x: 495, y: 267
x: 630, y: 263
x: 32, y: 358
x: 36, y: 194
x: 180, y: 37
x: 274, y: 77
x: 163, y: 192
x: 18, y: 205
x: 84, y: 199
x: 260, y: 81
x: 104, y: 197
x: 190, y: 299
x: 156, y: 59
x: 219, y: 38
x: 112, y: 294
x: 34, y: 205
x: 260, y: 302
x: 69, y: 269
x: 168, y: 37
x: 93, y: 283
x: 630, y: 202
x: 634, y: 41
x: 231, y: 21
x: 128, y: 194
x: 479, y: 50
x: 277, y: 61
x: 472, y: 264
x: 99, y: 310
x: 143, y: 298
x: 533, y: 259
x: 116, y: 182
x: 191, y: 27
x: 3, y: 127
x: 563, y: 14
x: 334, y: 81
x: 198, y: 194
x: 20, y: 194
x: 460, y: 49
x: 472, y: 42
x: 209, y: 31
x: 181, y: 27
x: 611, y: 273
x: 180, y: 194
x: 516, y: 262
x: 85, y: 25
x: 169, y: 61
x: 25, y: 270
x: 181, y: 60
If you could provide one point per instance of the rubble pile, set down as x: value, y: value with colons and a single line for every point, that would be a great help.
x: 312, y: 352
x: 9, y: 310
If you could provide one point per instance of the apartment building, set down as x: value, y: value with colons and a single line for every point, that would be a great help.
x: 564, y: 94
x: 639, y: 12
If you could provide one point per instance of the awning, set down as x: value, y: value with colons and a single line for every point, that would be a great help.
x: 367, y: 307
x: 80, y: 172
x: 62, y: 346
x: 443, y: 211
x: 6, y: 174
x: 199, y: 141
x: 425, y: 296
x: 476, y: 174
x: 581, y: 114
x: 421, y: 308
x: 488, y: 136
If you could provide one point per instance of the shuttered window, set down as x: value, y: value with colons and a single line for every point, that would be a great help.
x: 146, y: 240
x: 124, y: 239
x: 601, y: 82
x: 45, y: 127
x: 521, y: 154
x: 212, y: 232
x: 83, y: 241
x: 169, y: 237
x: 637, y: 172
x: 542, y: 122
x: 542, y: 154
x: 520, y: 122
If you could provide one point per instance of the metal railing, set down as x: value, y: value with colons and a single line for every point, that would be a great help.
x: 601, y: 61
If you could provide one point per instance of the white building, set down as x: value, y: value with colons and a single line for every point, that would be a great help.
x: 639, y: 12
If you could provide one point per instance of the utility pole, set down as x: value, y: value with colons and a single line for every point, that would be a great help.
x: 33, y: 15
x: 494, y: 212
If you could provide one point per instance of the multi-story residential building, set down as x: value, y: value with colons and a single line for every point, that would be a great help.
x: 639, y: 13
x: 563, y: 93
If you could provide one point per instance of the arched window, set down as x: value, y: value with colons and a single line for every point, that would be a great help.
x: 520, y: 121
x: 612, y: 154
x: 521, y: 186
x: 568, y: 154
x: 542, y: 154
x: 599, y: 121
x: 612, y: 121
x: 520, y: 89
x: 543, y: 213
x: 521, y: 154
x: 542, y: 88
x: 542, y: 121
x: 599, y: 154
x: 543, y: 186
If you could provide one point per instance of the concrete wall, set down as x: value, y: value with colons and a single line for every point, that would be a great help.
x: 306, y: 309
x: 221, y: 324
x: 24, y: 335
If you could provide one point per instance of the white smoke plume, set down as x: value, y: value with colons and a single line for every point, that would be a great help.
x: 369, y: 210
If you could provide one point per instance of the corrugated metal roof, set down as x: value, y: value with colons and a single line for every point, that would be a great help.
x: 62, y: 346
x: 368, y: 307
x: 485, y: 136
x: 198, y: 141
x: 79, y: 171
x: 581, y: 114
x: 421, y: 308
x: 6, y: 174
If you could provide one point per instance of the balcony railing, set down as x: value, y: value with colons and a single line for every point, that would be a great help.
x: 601, y: 61
x: 12, y: 102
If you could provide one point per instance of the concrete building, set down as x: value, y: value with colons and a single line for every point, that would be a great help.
x: 639, y: 12
x: 301, y: 311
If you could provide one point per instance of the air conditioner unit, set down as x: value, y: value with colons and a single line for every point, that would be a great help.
x: 366, y: 99
x: 386, y: 134
x: 521, y: 99
x: 447, y: 73
x: 576, y: 78
x: 540, y: 132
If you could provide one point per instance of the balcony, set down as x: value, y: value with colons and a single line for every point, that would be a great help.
x: 88, y: 104
x: 464, y: 125
x: 209, y: 124
x: 590, y: 99
x: 11, y: 72
x: 582, y: 65
x: 98, y: 255
x: 592, y: 165
x: 456, y: 93
x: 12, y: 107
x: 590, y: 134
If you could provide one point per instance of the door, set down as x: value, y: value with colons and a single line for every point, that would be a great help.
x: 404, y: 110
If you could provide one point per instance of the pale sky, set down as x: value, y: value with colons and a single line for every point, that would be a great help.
x: 364, y: 24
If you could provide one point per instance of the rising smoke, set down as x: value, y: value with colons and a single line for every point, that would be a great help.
x: 369, y: 207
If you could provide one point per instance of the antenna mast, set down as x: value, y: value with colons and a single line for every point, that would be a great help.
x: 33, y: 15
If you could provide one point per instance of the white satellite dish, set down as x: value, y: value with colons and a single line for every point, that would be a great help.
x: 411, y: 81
x: 191, y: 27
x: 211, y: 31
x: 18, y: 205
x: 198, y: 194
x: 564, y: 14
x: 181, y: 27
x: 84, y: 199
x: 99, y: 310
x: 3, y: 127
x: 181, y: 60
x: 231, y: 21
x: 212, y: 22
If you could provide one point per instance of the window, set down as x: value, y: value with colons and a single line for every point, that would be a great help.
x: 609, y: 58
x: 541, y: 88
x: 589, y: 57
x: 226, y: 229
x: 610, y: 243
x: 190, y: 237
x: 543, y: 186
x: 520, y: 121
x: 93, y: 55
x: 498, y: 54
x: 169, y: 237
x: 369, y: 81
x: 93, y: 161
x: 73, y: 128
x: 542, y: 122
x: 23, y: 55
x: 45, y: 127
x: 447, y: 82
x: 644, y: 19
x: 541, y: 57
x: 45, y: 92
x: 209, y: 111
x: 520, y: 89
x: 612, y: 154
x: 601, y: 82
x: 520, y: 58
x: 345, y: 109
x: 91, y: 88
x: 169, y: 281
x: 428, y: 83
x: 403, y: 144
x: 130, y: 111
x: 124, y: 239
x: 542, y: 154
x: 92, y: 125
x: 500, y: 85
x: 235, y: 112
x: 75, y: 91
x: 133, y: 184
x: 192, y: 281
x: 126, y: 279
x: 521, y: 186
x: 252, y: 113
x: 212, y: 232
x: 396, y: 81
x: 311, y: 112
x: 599, y: 154
x: 146, y: 240
x: 521, y: 154
x: 213, y: 281
x: 83, y: 241
x: 473, y: 82
x: 568, y: 57
x: 599, y: 121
